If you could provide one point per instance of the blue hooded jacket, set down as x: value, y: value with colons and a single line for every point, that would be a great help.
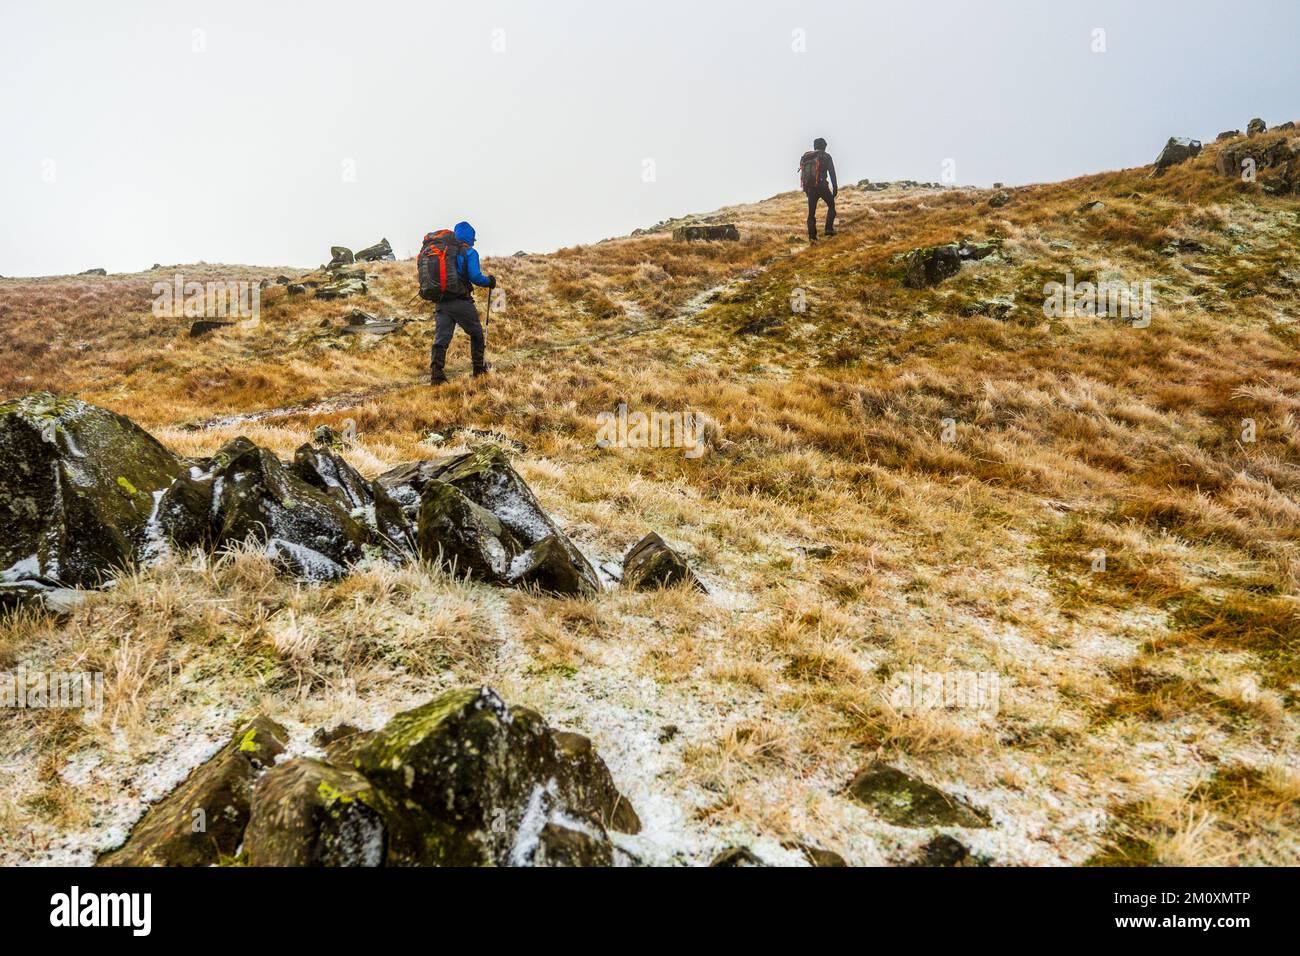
x: 467, y: 264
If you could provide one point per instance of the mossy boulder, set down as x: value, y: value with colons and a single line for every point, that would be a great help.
x: 652, y: 564
x: 555, y: 566
x: 306, y: 531
x: 931, y: 265
x: 903, y: 800
x: 78, y: 491
x: 1179, y: 149
x: 463, y: 536
x: 465, y: 780
x: 308, y: 813
x: 380, y: 251
x: 202, y: 821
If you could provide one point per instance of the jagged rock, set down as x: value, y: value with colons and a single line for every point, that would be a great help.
x: 652, y: 564
x: 1256, y: 126
x: 930, y: 266
x: 202, y: 821
x: 78, y: 492
x: 308, y: 813
x: 555, y: 566
x: 306, y: 531
x: 1179, y: 149
x: 1288, y: 126
x: 905, y: 801
x: 204, y: 326
x: 406, y: 483
x: 340, y: 256
x: 94, y: 272
x: 296, y: 288
x: 466, y: 781
x: 184, y: 514
x: 370, y: 328
x: 1092, y: 205
x: 727, y: 231
x: 341, y: 289
x: 343, y: 744
x: 380, y: 251
x: 1227, y: 134
x: 282, y: 280
x: 457, y: 533
x: 999, y: 198
x: 568, y: 841
x: 997, y: 307
x: 737, y: 856
x: 366, y: 501
x: 486, y: 477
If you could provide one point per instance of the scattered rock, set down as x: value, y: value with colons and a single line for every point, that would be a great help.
x: 668, y: 733
x: 905, y: 801
x: 94, y: 272
x: 379, y: 252
x: 282, y: 280
x: 204, y: 326
x: 1256, y: 127
x: 340, y: 256
x: 816, y: 550
x: 1092, y: 205
x: 1274, y: 164
x: 998, y: 307
x: 1288, y: 126
x: 999, y: 199
x: 296, y: 288
x: 555, y: 566
x: 202, y: 822
x: 1179, y: 149
x: 652, y: 564
x: 1227, y: 134
x: 722, y: 231
x: 344, y: 287
x: 930, y: 266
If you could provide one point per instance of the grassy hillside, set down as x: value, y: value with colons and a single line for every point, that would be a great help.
x: 1103, y: 516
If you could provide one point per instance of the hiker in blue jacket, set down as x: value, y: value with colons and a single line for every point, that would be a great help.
x: 460, y: 310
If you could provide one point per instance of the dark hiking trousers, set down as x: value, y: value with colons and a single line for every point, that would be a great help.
x: 823, y: 193
x: 450, y: 314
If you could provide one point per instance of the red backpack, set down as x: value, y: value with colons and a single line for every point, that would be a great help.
x: 436, y: 265
x: 810, y: 170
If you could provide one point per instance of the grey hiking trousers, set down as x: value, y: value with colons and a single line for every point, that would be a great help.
x: 450, y: 314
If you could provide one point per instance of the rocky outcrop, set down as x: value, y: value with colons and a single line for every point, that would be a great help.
x: 1256, y: 127
x: 1274, y: 163
x: 344, y: 286
x: 85, y: 493
x: 462, y: 781
x: 931, y: 265
x: 340, y: 256
x: 380, y: 251
x: 94, y: 272
x: 79, y: 491
x: 204, y: 326
x: 723, y: 231
x: 540, y: 554
x: 202, y: 822
x: 1179, y: 149
x: 652, y: 564
x: 905, y: 801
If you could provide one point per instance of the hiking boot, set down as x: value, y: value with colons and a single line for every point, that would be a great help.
x: 438, y: 365
x: 482, y: 370
x: 828, y: 232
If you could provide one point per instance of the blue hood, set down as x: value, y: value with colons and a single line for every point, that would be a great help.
x: 465, y: 232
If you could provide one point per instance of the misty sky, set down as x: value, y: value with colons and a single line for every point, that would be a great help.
x: 278, y: 129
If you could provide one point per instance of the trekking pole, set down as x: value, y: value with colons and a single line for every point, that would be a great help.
x: 488, y: 320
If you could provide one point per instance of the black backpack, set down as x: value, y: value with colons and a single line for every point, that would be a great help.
x: 810, y: 170
x: 436, y: 265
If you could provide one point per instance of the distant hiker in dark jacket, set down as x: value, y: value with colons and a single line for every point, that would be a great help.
x: 459, y: 310
x: 815, y: 168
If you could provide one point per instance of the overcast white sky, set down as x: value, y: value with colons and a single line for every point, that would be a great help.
x: 130, y: 138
